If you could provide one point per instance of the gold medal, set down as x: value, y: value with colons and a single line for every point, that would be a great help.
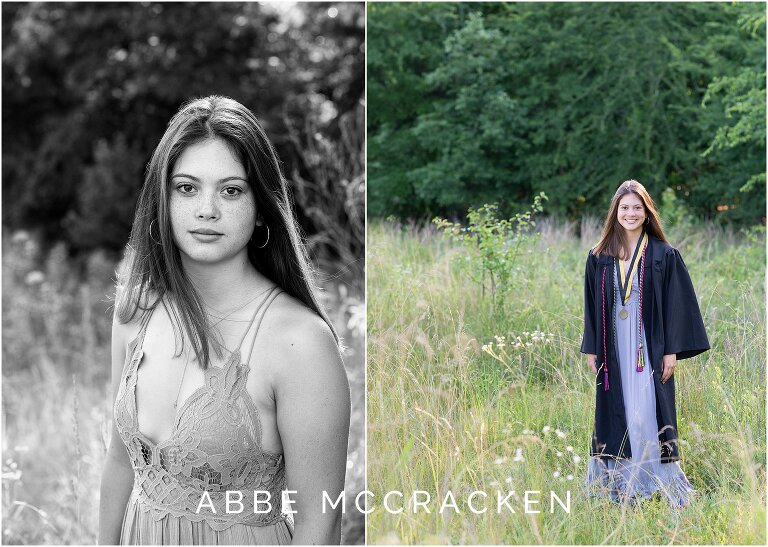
x: 623, y: 313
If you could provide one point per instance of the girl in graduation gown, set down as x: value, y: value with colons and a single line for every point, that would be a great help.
x: 640, y: 317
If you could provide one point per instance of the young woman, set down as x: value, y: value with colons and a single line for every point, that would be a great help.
x: 228, y: 383
x: 641, y: 317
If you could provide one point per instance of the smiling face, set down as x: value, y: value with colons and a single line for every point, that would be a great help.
x: 631, y: 213
x: 212, y: 208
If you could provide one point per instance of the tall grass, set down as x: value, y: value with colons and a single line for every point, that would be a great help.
x: 57, y: 395
x: 445, y: 413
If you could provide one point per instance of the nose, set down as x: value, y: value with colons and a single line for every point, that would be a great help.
x: 207, y: 208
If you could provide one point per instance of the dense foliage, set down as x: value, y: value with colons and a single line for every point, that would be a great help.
x: 89, y: 88
x: 477, y: 103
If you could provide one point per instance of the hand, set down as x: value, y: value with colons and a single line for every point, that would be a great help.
x: 669, y: 362
x: 592, y: 360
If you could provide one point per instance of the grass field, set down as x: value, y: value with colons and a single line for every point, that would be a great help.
x: 56, y: 412
x: 446, y: 413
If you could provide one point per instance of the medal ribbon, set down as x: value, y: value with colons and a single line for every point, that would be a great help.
x: 625, y: 279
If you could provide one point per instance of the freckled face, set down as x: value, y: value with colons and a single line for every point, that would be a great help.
x: 631, y: 213
x: 213, y: 210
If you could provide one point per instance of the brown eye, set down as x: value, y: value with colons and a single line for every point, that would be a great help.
x: 232, y: 191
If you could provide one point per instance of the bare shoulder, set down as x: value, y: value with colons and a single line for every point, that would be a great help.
x: 301, y: 346
x: 123, y: 332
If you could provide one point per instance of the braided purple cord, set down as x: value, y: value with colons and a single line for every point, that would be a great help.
x: 606, y: 386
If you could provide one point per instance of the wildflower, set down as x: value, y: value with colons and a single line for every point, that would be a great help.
x: 569, y: 477
x: 501, y: 345
x: 569, y: 448
x: 486, y: 348
x: 35, y: 277
x: 508, y: 480
x: 576, y: 458
x: 556, y: 474
x: 559, y: 454
x: 545, y: 429
x: 560, y: 433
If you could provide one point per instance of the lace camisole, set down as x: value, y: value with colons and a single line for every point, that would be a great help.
x: 214, y: 447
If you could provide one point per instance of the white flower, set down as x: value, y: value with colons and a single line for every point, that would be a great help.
x: 545, y: 429
x: 556, y: 474
x: 569, y: 477
x: 34, y: 277
x: 508, y: 480
x: 576, y: 458
x: 560, y: 433
x: 559, y: 454
x: 569, y: 448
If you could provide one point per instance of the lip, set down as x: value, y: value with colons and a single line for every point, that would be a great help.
x: 206, y: 232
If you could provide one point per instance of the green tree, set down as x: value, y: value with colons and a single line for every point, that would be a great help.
x: 571, y: 99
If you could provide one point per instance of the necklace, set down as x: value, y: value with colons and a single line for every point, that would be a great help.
x: 220, y: 319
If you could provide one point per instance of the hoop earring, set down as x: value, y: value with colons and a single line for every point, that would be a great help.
x: 150, y: 233
x: 267, y: 241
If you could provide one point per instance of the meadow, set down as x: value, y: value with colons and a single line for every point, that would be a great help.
x: 56, y: 392
x: 464, y: 397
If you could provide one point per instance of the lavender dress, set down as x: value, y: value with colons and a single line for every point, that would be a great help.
x: 643, y: 474
x: 215, y: 447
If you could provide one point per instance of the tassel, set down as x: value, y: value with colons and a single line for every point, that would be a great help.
x: 640, y: 359
x: 606, y: 386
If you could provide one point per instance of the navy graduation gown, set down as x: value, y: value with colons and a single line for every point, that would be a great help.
x: 672, y: 323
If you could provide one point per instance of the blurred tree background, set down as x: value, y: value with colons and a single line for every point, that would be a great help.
x: 88, y: 90
x: 495, y: 102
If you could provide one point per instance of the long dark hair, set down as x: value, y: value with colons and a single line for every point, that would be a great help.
x: 613, y: 241
x: 153, y: 267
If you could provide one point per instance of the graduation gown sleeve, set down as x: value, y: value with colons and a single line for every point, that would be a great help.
x: 683, y: 326
x: 589, y: 340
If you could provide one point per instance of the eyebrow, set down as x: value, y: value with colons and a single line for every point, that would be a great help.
x: 225, y: 179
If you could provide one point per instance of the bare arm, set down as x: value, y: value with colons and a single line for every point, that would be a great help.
x: 312, y: 395
x: 117, y: 476
x: 592, y: 360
